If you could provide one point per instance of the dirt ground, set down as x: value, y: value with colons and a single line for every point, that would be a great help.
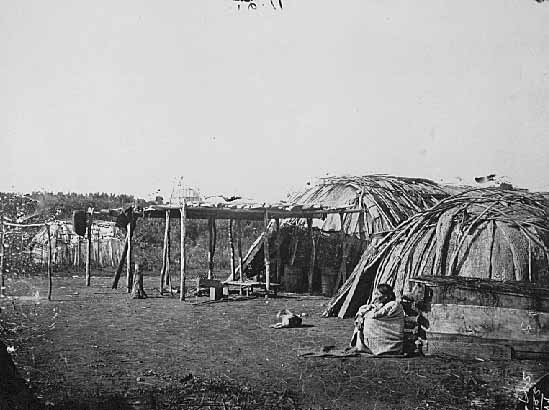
x: 94, y: 347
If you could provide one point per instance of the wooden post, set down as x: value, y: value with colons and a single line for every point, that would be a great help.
x: 239, y: 248
x: 49, y: 262
x: 231, y: 245
x: 10, y: 249
x: 53, y: 248
x: 2, y: 284
x: 342, y: 274
x: 55, y: 254
x: 267, y: 254
x: 67, y: 251
x: 129, y: 276
x: 30, y: 258
x: 278, y: 253
x: 183, y: 267
x: 120, y: 264
x: 211, y: 250
x: 168, y: 281
x: 111, y: 247
x: 361, y: 215
x: 165, y: 252
x: 88, y: 256
x: 98, y: 248
x: 210, y: 242
x: 77, y: 254
x: 312, y: 254
x: 137, y: 289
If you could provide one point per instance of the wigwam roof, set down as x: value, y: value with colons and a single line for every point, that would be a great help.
x: 487, y: 233
x: 386, y: 200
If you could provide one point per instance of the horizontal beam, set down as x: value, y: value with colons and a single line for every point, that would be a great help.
x: 257, y: 214
x: 226, y: 212
x: 483, y: 285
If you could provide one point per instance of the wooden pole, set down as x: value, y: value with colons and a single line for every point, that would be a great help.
x: 129, y: 276
x: 361, y: 216
x: 267, y: 254
x: 111, y: 247
x: 183, y: 267
x: 278, y: 253
x: 49, y: 262
x: 239, y: 248
x: 210, y: 241
x: 231, y: 245
x: 214, y: 244
x: 312, y: 254
x: 30, y: 258
x: 68, y: 256
x: 168, y: 252
x: 2, y: 284
x: 21, y: 243
x: 54, y: 248
x: 120, y: 264
x: 138, y: 292
x: 77, y: 256
x: 73, y: 255
x: 165, y: 252
x: 88, y: 256
x: 10, y: 248
x: 342, y: 274
x: 211, y: 250
x: 98, y: 248
x: 161, y: 284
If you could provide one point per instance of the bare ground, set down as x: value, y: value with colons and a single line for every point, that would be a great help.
x: 94, y: 347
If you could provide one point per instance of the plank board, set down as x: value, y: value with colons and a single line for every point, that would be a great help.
x: 462, y: 296
x: 489, y: 322
x: 208, y: 283
x: 489, y: 349
x: 486, y: 351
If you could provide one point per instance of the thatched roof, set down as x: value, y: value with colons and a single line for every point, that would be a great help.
x: 482, y: 233
x: 454, y: 189
x: 386, y: 200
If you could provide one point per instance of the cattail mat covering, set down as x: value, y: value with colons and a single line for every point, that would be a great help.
x: 488, y: 233
x: 69, y: 248
x: 386, y: 200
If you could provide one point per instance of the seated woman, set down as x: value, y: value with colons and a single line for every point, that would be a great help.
x: 379, y: 326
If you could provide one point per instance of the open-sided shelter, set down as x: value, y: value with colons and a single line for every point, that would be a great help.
x: 371, y: 206
x: 232, y: 210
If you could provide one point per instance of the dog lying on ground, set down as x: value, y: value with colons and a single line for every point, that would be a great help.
x: 287, y: 319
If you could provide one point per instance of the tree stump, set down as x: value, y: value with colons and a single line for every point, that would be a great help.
x: 137, y: 288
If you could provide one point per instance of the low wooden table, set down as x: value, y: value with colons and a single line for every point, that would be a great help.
x: 250, y: 285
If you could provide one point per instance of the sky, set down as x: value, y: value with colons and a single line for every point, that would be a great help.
x: 127, y: 96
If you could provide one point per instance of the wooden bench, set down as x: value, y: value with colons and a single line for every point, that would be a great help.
x: 249, y: 286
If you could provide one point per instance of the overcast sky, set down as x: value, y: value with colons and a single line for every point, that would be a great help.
x: 124, y: 96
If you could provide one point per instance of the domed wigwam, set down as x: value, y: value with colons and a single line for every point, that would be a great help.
x: 481, y: 254
x: 481, y: 233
